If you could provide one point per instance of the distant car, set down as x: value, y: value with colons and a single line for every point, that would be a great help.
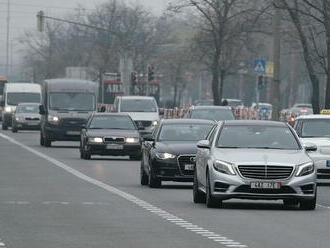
x: 142, y: 109
x: 26, y: 117
x: 316, y: 129
x: 169, y: 154
x: 217, y: 113
x: 254, y: 160
x: 234, y: 102
x: 262, y: 106
x: 110, y: 134
x: 303, y: 105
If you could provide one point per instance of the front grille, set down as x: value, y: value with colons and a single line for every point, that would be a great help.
x: 249, y: 190
x: 114, y: 140
x: 184, y: 160
x: 73, y: 122
x: 32, y: 119
x: 143, y: 123
x: 268, y: 172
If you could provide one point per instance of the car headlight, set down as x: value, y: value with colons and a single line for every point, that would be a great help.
x: 224, y: 167
x: 154, y: 123
x: 18, y: 118
x: 8, y: 109
x: 165, y: 155
x: 131, y: 140
x: 305, y: 169
x: 54, y: 119
x: 96, y: 140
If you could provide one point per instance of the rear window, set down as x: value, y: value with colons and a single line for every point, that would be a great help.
x: 213, y: 114
x: 138, y: 105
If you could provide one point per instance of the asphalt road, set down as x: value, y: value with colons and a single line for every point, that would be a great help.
x: 50, y: 198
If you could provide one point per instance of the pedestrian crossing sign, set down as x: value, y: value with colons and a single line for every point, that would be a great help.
x: 260, y: 66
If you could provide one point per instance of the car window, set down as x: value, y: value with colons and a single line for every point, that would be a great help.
x: 111, y: 122
x: 257, y: 136
x: 315, y: 128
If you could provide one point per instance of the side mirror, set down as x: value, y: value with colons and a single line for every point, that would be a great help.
x: 83, y: 126
x: 42, y: 110
x: 2, y: 103
x: 204, y: 144
x: 310, y: 147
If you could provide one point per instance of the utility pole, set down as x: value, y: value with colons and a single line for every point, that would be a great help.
x: 276, y: 100
x: 7, y: 40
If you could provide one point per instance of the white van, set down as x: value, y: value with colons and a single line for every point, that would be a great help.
x: 15, y: 93
x: 142, y: 109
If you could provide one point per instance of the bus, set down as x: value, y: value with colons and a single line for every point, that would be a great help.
x: 3, y: 81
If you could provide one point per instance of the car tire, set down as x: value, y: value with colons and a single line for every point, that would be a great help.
x: 42, y: 140
x: 88, y: 156
x: 309, y: 204
x: 4, y: 126
x: 47, y: 142
x: 153, y: 181
x: 143, y: 175
x: 210, y: 201
x: 14, y: 129
x: 198, y: 196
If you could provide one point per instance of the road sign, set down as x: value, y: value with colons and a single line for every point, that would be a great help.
x: 260, y: 66
x: 270, y: 69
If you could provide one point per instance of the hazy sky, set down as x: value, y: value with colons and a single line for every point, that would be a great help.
x: 23, y: 17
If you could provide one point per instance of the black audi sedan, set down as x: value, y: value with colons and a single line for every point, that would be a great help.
x: 169, y: 153
x: 113, y: 134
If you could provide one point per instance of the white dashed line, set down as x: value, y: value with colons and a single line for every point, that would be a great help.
x: 2, y: 244
x: 141, y: 203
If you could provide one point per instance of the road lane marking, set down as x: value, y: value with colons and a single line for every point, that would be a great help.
x: 171, y: 218
x: 322, y: 206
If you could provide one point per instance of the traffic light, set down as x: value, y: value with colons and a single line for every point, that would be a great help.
x: 260, y: 82
x: 40, y: 21
x: 133, y: 77
x: 151, y: 73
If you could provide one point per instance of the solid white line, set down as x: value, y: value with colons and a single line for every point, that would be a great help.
x: 111, y: 189
x: 322, y: 206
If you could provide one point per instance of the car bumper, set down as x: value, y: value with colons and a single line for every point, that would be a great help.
x: 26, y: 125
x: 57, y: 133
x: 171, y: 171
x: 226, y: 187
x: 103, y: 149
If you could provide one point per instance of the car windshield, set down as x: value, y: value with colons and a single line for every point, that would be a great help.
x: 72, y: 101
x: 184, y: 132
x: 212, y: 114
x: 28, y: 109
x: 138, y: 105
x: 315, y: 128
x: 111, y: 122
x: 257, y: 136
x: 14, y: 98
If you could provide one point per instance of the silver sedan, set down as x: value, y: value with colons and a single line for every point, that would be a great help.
x: 254, y: 160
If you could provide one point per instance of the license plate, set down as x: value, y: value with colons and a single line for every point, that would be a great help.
x: 328, y: 163
x: 189, y: 167
x: 265, y: 185
x: 73, y: 133
x: 115, y: 147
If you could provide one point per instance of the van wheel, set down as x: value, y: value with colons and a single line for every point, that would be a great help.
x: 14, y: 129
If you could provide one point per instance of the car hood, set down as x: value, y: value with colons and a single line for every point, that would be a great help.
x: 112, y: 132
x: 177, y: 148
x: 144, y: 116
x: 262, y: 156
x: 319, y: 142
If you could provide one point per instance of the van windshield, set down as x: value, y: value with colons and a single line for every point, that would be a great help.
x: 72, y: 101
x: 138, y: 105
x: 14, y: 98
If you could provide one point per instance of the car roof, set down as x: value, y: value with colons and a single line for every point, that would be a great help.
x: 255, y: 123
x: 136, y: 97
x: 110, y: 114
x: 211, y: 107
x: 311, y: 117
x: 28, y: 103
x: 187, y: 121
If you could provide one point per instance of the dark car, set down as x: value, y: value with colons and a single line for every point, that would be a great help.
x: 111, y: 134
x: 169, y: 154
x: 218, y: 113
x: 26, y: 117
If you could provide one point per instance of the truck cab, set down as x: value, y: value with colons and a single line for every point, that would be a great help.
x: 66, y: 107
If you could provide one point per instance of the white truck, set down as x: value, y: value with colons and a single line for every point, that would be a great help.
x: 15, y: 93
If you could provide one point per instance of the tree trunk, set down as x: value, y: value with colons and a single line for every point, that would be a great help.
x: 215, y: 80
x: 175, y: 93
x: 327, y: 92
x: 222, y: 81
